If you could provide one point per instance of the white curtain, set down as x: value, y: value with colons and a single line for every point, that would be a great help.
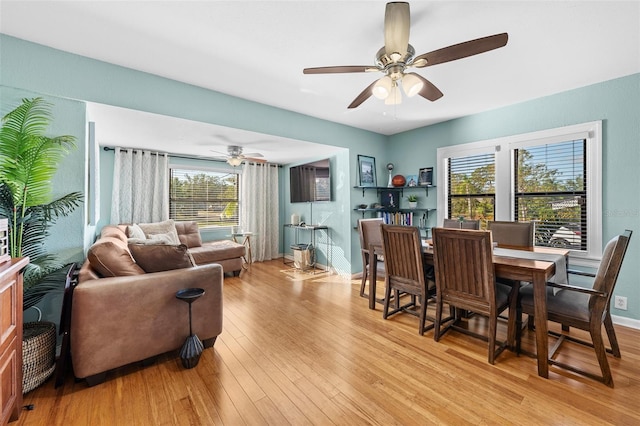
x: 140, y: 187
x: 259, y: 209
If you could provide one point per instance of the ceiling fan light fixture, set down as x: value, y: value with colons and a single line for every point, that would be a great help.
x: 411, y: 85
x: 395, y: 97
x: 395, y: 56
x: 382, y: 88
x: 234, y: 161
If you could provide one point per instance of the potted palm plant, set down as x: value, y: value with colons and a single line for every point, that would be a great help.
x: 28, y: 162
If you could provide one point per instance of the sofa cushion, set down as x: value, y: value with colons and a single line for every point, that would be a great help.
x: 189, y: 233
x: 215, y: 251
x: 161, y: 257
x: 110, y: 257
x: 167, y: 227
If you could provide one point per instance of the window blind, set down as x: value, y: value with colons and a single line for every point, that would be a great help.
x: 471, y: 187
x: 207, y: 197
x: 550, y: 188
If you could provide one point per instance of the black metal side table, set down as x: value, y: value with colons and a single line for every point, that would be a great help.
x: 192, y: 348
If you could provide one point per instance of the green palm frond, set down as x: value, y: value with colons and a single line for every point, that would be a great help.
x: 28, y: 158
x: 31, y: 117
x: 61, y: 207
x: 52, y: 281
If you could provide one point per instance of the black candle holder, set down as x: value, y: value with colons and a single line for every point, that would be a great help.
x: 192, y: 347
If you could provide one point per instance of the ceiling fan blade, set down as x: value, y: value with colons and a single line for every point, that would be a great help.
x: 396, y: 28
x: 253, y: 154
x: 428, y: 91
x: 219, y: 152
x: 462, y: 50
x: 363, y: 96
x: 339, y: 69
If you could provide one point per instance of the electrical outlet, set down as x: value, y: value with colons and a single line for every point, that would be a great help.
x: 620, y: 302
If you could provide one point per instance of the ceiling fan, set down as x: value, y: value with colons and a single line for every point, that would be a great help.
x: 235, y: 157
x: 397, y: 55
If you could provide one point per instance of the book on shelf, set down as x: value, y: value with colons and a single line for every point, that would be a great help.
x: 403, y: 218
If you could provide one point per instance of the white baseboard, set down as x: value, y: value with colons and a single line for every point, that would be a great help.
x: 627, y: 322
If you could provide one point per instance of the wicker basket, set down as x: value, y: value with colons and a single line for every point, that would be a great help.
x: 38, y: 353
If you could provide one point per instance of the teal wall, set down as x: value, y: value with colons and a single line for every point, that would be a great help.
x: 615, y: 102
x: 61, y: 76
x: 335, y: 214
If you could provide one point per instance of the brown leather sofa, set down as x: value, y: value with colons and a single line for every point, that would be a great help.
x: 124, y: 307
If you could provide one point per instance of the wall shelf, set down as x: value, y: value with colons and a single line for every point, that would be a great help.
x: 400, y: 189
x: 404, y: 216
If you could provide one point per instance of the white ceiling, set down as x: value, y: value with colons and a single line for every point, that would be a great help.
x: 256, y: 50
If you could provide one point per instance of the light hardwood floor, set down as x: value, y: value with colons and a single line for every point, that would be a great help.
x: 311, y: 352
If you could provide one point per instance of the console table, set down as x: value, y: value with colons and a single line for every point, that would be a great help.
x: 312, y: 230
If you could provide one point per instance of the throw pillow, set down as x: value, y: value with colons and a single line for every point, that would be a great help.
x: 161, y: 257
x: 155, y: 239
x: 134, y: 231
x: 167, y: 227
x: 109, y: 257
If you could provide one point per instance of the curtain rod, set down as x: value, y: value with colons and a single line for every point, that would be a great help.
x: 186, y: 157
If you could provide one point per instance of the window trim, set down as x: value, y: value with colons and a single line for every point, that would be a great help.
x: 503, y: 148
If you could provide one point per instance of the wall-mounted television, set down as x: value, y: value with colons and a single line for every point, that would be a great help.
x: 311, y: 182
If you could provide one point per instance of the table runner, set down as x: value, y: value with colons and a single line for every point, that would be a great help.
x: 560, y: 276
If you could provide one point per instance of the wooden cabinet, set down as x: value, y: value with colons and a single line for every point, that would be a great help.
x: 11, y: 338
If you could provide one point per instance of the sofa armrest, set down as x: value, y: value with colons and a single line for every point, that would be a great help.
x: 119, y: 320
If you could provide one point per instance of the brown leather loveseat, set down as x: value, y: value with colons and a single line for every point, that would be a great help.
x: 124, y: 307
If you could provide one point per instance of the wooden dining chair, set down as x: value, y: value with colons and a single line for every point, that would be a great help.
x: 405, y: 273
x: 465, y: 279
x: 517, y: 234
x: 586, y: 309
x: 370, y: 235
x: 461, y: 224
x: 514, y: 234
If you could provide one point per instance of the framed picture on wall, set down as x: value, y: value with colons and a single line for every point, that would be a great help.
x: 367, y: 171
x: 425, y: 176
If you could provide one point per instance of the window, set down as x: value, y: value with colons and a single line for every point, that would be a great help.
x: 471, y: 189
x: 552, y: 177
x: 551, y: 190
x: 208, y: 197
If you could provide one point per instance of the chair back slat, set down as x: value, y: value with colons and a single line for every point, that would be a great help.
x: 519, y: 234
x: 464, y: 268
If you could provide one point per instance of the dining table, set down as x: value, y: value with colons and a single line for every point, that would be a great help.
x: 536, y: 265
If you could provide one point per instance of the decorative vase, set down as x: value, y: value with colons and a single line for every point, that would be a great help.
x: 413, y: 204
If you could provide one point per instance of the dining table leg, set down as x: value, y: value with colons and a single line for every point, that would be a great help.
x: 540, y: 309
